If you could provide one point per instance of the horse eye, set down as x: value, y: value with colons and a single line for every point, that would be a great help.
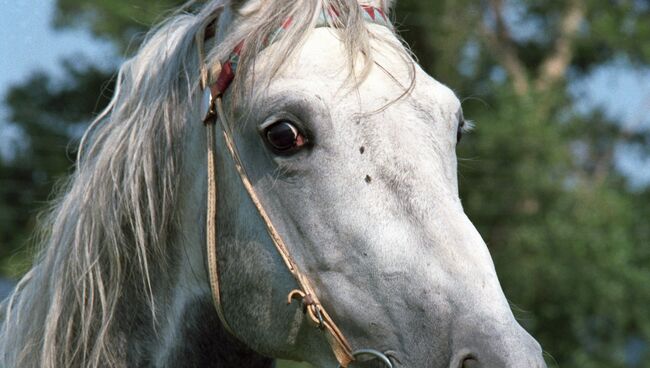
x: 284, y: 137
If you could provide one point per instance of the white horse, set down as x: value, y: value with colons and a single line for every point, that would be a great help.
x: 350, y: 147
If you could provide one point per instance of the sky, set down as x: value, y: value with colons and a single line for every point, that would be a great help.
x: 624, y: 93
x: 29, y: 43
x: 622, y: 90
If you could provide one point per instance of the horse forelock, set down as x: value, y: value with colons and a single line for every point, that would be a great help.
x: 106, y: 241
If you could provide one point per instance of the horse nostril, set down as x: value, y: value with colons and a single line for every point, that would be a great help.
x: 470, y: 363
x: 465, y: 358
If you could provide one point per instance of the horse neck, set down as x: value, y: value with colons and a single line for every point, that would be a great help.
x: 189, y: 333
x: 197, y: 339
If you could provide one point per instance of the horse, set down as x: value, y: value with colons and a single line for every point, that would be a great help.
x: 335, y: 149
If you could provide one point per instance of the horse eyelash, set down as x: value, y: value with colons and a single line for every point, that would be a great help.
x: 468, y: 126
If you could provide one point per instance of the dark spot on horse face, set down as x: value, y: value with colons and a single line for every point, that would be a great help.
x: 368, y: 179
x: 362, y: 149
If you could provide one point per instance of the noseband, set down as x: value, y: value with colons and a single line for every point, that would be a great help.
x: 213, y: 112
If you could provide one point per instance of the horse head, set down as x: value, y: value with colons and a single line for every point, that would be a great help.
x: 349, y: 148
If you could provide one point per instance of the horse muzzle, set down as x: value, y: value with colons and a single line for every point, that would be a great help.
x: 515, y: 350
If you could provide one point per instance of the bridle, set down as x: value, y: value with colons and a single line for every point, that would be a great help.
x: 213, y: 112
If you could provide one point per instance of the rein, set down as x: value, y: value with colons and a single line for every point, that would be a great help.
x: 213, y: 111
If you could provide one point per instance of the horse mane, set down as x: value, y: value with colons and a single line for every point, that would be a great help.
x: 111, y: 230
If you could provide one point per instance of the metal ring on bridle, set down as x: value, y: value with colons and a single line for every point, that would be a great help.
x: 375, y: 354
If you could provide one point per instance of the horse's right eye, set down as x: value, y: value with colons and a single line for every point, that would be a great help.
x: 284, y: 137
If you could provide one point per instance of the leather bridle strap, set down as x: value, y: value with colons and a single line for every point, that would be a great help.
x: 305, y: 293
x: 211, y: 214
x: 213, y: 92
x: 211, y: 230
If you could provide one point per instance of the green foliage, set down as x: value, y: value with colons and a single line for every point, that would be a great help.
x: 575, y: 242
x: 122, y: 22
x: 49, y: 114
x: 569, y: 237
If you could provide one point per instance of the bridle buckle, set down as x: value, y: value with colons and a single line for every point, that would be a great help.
x: 309, y: 307
x: 208, y: 113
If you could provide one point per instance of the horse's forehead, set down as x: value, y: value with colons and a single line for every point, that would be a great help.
x: 322, y: 66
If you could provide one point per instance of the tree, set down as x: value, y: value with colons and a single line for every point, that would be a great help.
x: 541, y: 181
x: 50, y: 118
x: 567, y: 232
